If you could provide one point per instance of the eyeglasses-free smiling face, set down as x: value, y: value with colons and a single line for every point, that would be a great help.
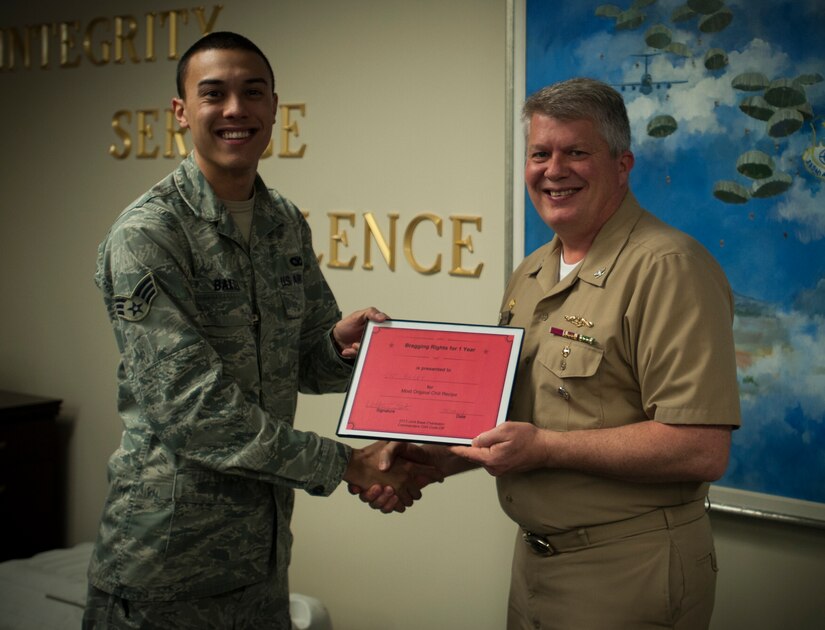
x: 573, y: 181
x: 229, y: 108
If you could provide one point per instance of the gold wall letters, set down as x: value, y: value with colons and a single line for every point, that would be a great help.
x: 153, y: 133
x: 340, y: 222
x: 174, y: 144
x: 101, y: 41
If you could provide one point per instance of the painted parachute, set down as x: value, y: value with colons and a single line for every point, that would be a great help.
x: 730, y: 192
x: 715, y: 22
x: 750, y: 82
x: 757, y: 107
x: 716, y: 59
x: 755, y: 165
x: 771, y: 186
x: 658, y: 36
x: 661, y: 126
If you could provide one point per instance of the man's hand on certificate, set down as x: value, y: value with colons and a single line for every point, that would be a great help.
x: 347, y: 333
x: 398, y: 482
x: 509, y: 448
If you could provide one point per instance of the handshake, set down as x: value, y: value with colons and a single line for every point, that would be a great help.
x: 390, y: 475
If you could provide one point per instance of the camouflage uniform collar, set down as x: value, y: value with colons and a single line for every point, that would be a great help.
x: 201, y: 198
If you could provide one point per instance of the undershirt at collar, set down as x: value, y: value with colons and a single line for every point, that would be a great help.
x: 564, y: 268
x: 241, y: 213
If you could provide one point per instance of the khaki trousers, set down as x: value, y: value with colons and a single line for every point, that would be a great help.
x: 657, y: 579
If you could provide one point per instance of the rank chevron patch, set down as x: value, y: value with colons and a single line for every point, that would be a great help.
x: 136, y: 306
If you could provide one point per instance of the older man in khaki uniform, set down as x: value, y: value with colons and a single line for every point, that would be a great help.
x: 625, y: 395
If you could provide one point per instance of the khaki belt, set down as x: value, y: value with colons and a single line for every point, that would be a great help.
x: 662, y: 518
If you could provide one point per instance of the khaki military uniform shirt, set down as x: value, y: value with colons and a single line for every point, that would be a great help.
x: 659, y: 311
x: 216, y: 339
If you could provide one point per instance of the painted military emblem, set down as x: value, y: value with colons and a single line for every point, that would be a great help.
x: 135, y: 307
x: 814, y: 159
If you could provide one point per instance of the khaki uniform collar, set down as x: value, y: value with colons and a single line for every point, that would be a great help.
x: 600, y: 259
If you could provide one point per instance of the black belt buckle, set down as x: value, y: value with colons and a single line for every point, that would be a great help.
x: 539, y: 544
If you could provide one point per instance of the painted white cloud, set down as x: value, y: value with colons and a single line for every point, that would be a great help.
x: 802, y: 204
x: 707, y: 104
x: 786, y: 375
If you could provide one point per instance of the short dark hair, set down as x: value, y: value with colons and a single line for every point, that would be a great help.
x: 583, y: 98
x: 221, y: 40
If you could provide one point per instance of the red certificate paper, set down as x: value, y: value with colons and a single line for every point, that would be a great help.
x: 430, y: 382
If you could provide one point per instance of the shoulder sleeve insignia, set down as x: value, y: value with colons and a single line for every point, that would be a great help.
x: 136, y: 306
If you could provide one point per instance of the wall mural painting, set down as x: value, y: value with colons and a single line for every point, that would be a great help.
x: 727, y: 106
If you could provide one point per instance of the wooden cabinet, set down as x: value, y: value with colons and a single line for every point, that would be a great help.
x: 32, y: 475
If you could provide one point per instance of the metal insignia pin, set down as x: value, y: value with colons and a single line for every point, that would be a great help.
x: 600, y: 272
x: 578, y: 321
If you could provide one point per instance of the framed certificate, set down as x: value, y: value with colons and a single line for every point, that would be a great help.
x: 430, y: 382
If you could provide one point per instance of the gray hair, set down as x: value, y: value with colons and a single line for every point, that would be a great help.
x: 581, y: 98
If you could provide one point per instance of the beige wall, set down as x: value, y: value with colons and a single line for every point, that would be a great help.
x: 405, y: 113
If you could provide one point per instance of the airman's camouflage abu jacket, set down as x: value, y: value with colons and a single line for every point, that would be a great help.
x: 216, y: 339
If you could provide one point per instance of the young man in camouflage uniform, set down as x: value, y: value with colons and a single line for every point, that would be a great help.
x: 221, y: 315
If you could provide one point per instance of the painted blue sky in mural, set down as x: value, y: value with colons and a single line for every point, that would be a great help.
x: 772, y: 247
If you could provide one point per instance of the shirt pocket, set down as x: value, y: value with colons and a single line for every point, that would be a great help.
x: 290, y: 287
x: 224, y: 315
x: 229, y: 325
x: 570, y: 384
x: 292, y: 297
